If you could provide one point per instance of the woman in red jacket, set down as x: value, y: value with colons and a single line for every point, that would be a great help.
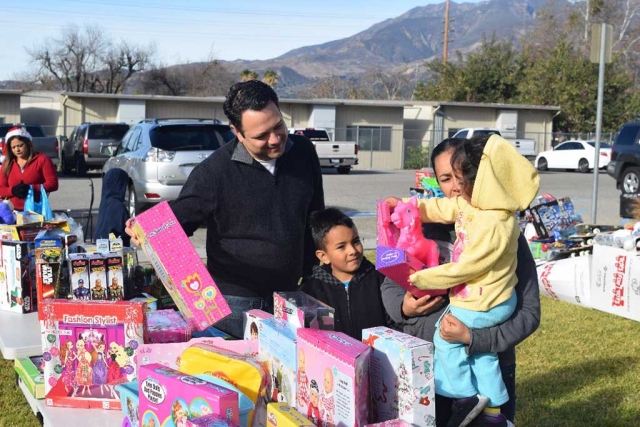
x: 23, y: 167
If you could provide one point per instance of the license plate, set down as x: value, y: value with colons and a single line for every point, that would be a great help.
x: 335, y: 161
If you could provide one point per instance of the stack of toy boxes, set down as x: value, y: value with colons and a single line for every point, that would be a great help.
x: 17, y: 277
x: 302, y: 310
x: 178, y: 265
x: 277, y: 348
x: 333, y: 378
x: 88, y: 348
x: 252, y: 319
x: 283, y: 415
x: 167, y: 326
x: 170, y: 397
x: 96, y: 276
x: 401, y: 377
x: 31, y: 373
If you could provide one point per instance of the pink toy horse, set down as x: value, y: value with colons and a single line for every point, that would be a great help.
x: 406, y: 216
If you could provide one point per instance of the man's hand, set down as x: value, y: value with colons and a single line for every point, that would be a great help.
x: 413, y: 307
x: 392, y: 202
x: 131, y: 233
x: 454, y: 331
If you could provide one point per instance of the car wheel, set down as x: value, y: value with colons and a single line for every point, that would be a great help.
x: 543, y: 165
x: 343, y: 170
x: 583, y: 165
x: 66, y: 167
x: 631, y: 180
x: 81, y: 166
x: 134, y: 207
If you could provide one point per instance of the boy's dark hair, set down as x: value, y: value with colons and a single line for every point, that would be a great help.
x: 250, y: 95
x: 322, y: 222
x: 443, y: 147
x: 465, y: 160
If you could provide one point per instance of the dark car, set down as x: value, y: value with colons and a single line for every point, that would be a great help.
x: 625, y: 159
x: 89, y: 146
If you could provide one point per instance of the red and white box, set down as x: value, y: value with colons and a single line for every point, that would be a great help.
x: 567, y: 280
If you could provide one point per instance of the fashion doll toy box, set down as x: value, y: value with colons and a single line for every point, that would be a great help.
x: 302, y: 310
x: 88, y: 347
x: 277, y: 348
x: 251, y: 322
x: 210, y: 421
x: 178, y: 265
x: 171, y: 397
x: 333, y: 378
x: 401, y: 379
x: 283, y: 415
x: 17, y: 278
x: 167, y: 326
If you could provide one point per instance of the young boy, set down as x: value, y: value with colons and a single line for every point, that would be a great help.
x: 346, y: 281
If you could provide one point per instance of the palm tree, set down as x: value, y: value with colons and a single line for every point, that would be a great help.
x: 247, y: 75
x: 270, y: 77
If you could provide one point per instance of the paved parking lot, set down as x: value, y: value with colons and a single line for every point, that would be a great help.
x: 358, y: 192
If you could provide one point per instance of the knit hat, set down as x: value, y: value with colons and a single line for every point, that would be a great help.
x: 17, y: 131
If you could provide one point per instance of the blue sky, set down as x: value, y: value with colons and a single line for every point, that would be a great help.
x: 191, y: 30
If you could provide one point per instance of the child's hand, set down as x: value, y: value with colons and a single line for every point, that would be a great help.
x: 454, y: 331
x: 131, y: 233
x: 413, y: 307
x: 392, y: 202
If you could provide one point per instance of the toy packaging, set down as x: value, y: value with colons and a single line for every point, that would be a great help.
x: 152, y: 302
x: 245, y: 405
x: 556, y: 217
x: 391, y: 423
x: 567, y: 280
x: 89, y: 347
x: 170, y: 397
x: 401, y: 377
x: 302, y: 310
x: 49, y: 256
x: 251, y: 321
x: 115, y: 277
x: 79, y: 277
x: 167, y: 326
x: 178, y: 265
x: 98, y: 277
x: 209, y: 421
x: 28, y: 232
x: 30, y: 371
x: 333, y: 378
x: 283, y: 415
x: 212, y: 332
x: 277, y: 344
x: 17, y: 278
x: 129, y: 402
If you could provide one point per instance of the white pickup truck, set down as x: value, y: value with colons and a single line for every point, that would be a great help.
x: 526, y: 147
x: 342, y: 155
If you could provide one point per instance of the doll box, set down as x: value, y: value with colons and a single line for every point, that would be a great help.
x: 170, y: 397
x: 167, y: 326
x: 302, y: 310
x: 17, y: 278
x: 283, y: 415
x: 178, y: 265
x: 210, y: 421
x: 398, y: 265
x: 277, y: 348
x: 49, y: 256
x: 30, y: 371
x: 88, y: 347
x: 401, y: 379
x: 252, y: 319
x: 391, y: 423
x: 333, y: 378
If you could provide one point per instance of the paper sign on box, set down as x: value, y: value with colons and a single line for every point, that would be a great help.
x: 567, y: 280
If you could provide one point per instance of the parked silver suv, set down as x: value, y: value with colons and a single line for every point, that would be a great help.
x: 88, y: 146
x: 159, y: 154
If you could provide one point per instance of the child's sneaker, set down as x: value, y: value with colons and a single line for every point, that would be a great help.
x: 490, y: 420
x: 463, y: 411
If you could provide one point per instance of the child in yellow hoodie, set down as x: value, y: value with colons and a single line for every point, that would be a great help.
x: 495, y: 182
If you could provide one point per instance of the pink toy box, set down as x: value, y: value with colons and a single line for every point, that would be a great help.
x: 210, y: 421
x: 89, y: 347
x: 333, y: 378
x: 167, y: 326
x: 302, y: 310
x: 396, y: 263
x: 391, y: 423
x: 277, y: 348
x: 170, y: 397
x: 401, y: 377
x: 178, y: 265
x: 252, y: 320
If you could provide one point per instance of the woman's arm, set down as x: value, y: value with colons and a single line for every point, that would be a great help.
x: 5, y: 190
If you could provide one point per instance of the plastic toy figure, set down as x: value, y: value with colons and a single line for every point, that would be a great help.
x: 115, y: 290
x: 98, y: 291
x: 406, y: 216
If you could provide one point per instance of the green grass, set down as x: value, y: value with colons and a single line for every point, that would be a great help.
x: 582, y: 367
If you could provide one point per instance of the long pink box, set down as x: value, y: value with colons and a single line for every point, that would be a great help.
x: 178, y: 265
x: 333, y: 378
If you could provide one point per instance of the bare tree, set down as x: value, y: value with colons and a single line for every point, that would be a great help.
x: 122, y: 62
x: 388, y: 85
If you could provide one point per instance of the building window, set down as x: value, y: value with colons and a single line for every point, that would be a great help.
x: 370, y: 138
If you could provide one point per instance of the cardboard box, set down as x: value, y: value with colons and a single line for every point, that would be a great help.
x: 49, y: 256
x: 115, y: 276
x: 79, y: 276
x: 277, y: 347
x: 303, y: 311
x: 28, y: 232
x: 615, y: 283
x: 398, y: 265
x: 251, y: 321
x: 179, y: 267
x: 333, y: 378
x: 283, y: 415
x: 17, y: 278
x: 567, y: 280
x: 98, y: 277
x: 391, y: 423
x: 31, y: 372
x: 401, y: 380
x: 167, y: 326
x: 210, y: 421
x: 28, y: 217
x: 73, y: 332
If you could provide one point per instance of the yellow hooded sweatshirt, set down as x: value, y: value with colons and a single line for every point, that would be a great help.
x: 482, y: 271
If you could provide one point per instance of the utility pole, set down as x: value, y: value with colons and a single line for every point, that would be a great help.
x: 446, y: 32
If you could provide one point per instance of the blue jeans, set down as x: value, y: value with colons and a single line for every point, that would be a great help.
x: 233, y: 323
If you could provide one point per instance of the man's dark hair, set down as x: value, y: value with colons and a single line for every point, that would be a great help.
x: 465, y: 160
x: 443, y: 147
x: 250, y: 95
x: 322, y: 222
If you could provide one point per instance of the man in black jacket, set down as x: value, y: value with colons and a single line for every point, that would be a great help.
x: 255, y: 195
